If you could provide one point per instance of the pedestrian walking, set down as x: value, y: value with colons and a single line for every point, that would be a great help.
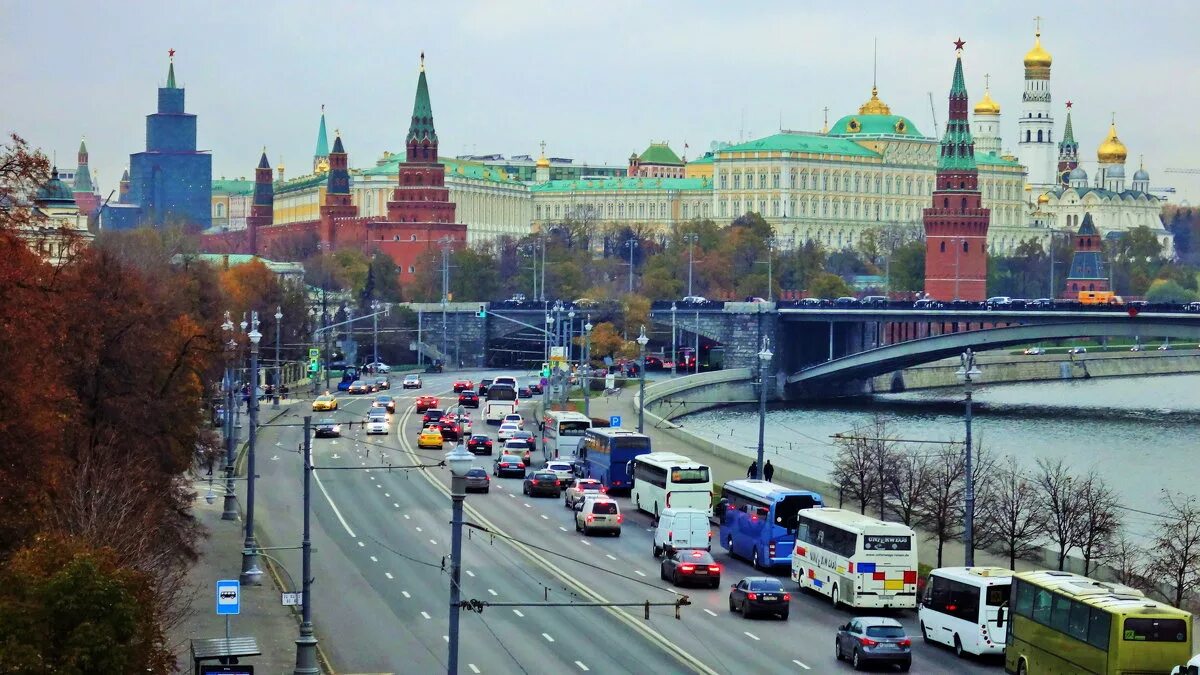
x: 752, y: 472
x: 768, y: 470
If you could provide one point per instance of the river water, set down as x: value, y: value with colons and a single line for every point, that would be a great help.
x: 1141, y: 434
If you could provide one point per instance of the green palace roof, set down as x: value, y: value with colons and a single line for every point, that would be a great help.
x: 454, y: 167
x: 660, y: 153
x: 990, y: 159
x: 634, y: 183
x: 232, y: 187
x: 874, y: 125
x: 810, y: 143
x: 706, y: 159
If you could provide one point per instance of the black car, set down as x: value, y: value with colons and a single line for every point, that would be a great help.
x: 543, y: 483
x: 451, y: 430
x: 873, y: 640
x: 754, y: 595
x: 535, y: 386
x: 653, y: 363
x: 328, y: 428
x: 468, y: 399
x: 382, y: 383
x: 508, y: 466
x: 690, y: 566
x: 480, y: 444
x: 483, y: 387
x: 524, y: 392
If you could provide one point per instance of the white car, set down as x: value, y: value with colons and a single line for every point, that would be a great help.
x: 514, y: 418
x: 562, y: 469
x: 1034, y: 351
x: 1164, y: 348
x: 507, y: 429
x: 378, y: 367
x: 412, y: 381
x: 377, y: 424
x: 1077, y: 350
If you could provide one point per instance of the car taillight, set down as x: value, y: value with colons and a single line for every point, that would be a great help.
x: 620, y: 518
x: 752, y: 596
x: 686, y: 568
x: 771, y: 550
x: 787, y: 597
x: 905, y: 643
x: 603, y: 490
x: 867, y: 642
x: 670, y: 535
x: 710, y: 535
x: 714, y: 568
x: 558, y: 482
x: 590, y: 518
x: 535, y: 481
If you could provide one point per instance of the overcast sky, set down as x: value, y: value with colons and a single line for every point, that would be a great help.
x: 596, y: 81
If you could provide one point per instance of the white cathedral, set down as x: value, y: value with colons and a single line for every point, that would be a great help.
x: 1058, y: 190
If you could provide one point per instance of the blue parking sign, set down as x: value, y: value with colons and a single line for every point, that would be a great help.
x: 229, y: 597
x: 614, y: 421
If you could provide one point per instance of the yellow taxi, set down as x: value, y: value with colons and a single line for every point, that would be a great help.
x: 325, y: 402
x: 430, y: 437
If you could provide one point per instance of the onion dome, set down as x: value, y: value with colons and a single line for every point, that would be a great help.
x: 54, y: 192
x: 542, y: 162
x: 1077, y: 174
x: 1112, y: 150
x: 1037, y: 60
x: 987, y: 105
x: 874, y: 106
x: 1043, y: 198
x: 1141, y: 173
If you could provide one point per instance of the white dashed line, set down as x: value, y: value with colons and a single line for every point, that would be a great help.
x: 397, y: 506
x: 405, y: 515
x: 548, y: 638
x: 562, y: 528
x: 433, y: 541
x: 405, y: 594
x: 473, y: 668
x: 710, y: 612
x: 388, y: 575
x: 420, y: 530
x: 361, y: 544
x: 518, y: 612
x: 639, y: 573
x: 469, y: 573
x: 610, y: 556
x: 512, y: 495
x: 545, y: 517
x: 801, y: 664
x: 446, y: 638
x: 426, y: 615
x: 379, y: 486
x: 750, y: 635
x: 581, y: 666
x: 492, y: 592
x: 388, y: 495
x: 528, y: 506
x: 374, y: 559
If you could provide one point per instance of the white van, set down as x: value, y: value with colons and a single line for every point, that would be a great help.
x: 963, y: 608
x: 1191, y: 668
x: 682, y: 528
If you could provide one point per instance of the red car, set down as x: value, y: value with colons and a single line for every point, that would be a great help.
x: 451, y: 430
x: 426, y: 402
x: 463, y: 385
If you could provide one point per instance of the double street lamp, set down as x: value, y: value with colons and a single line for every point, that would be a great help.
x: 764, y: 358
x: 278, y: 363
x: 642, y: 342
x: 459, y: 461
x: 965, y: 373
x: 587, y: 365
x: 229, y: 510
x: 251, y: 573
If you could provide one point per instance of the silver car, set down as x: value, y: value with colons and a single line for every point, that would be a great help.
x: 377, y: 424
x: 478, y: 480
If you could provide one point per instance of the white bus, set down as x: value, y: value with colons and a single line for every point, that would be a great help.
x: 501, y: 400
x: 665, y: 479
x: 962, y: 608
x: 855, y: 559
x: 563, y: 431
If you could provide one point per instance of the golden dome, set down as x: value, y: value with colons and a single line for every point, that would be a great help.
x: 1038, y: 57
x: 1112, y: 150
x: 874, y: 106
x: 1043, y: 198
x: 543, y: 163
x: 323, y: 166
x: 986, y: 105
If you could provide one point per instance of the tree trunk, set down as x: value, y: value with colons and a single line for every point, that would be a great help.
x: 1062, y: 556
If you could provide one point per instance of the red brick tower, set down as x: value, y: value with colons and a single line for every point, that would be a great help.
x: 338, y: 203
x: 85, y: 193
x: 421, y: 195
x: 1087, y: 264
x: 262, y: 209
x: 956, y: 225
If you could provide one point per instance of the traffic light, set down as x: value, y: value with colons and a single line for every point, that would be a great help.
x: 482, y: 313
x: 545, y: 369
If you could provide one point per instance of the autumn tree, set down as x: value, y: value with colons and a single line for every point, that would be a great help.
x: 606, y: 340
x: 860, y: 461
x: 828, y: 285
x: 906, y: 269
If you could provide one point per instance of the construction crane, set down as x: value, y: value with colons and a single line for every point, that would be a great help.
x: 1193, y: 171
x: 933, y: 113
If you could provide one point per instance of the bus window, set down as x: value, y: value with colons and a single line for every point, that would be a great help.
x: 690, y: 476
x: 787, y: 510
x: 1155, y: 630
x: 1041, y: 606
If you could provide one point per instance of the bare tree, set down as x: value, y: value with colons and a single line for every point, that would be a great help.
x: 941, y: 507
x: 911, y: 479
x: 1010, y: 517
x: 1099, y: 520
x: 1062, y: 505
x: 1176, y: 555
x: 856, y: 470
x: 1128, y: 562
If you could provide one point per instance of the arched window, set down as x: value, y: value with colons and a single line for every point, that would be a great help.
x: 620, y: 210
x: 942, y: 247
x: 1027, y: 133
x: 945, y: 202
x: 1091, y: 287
x: 966, y: 247
x: 1039, y: 132
x: 652, y: 210
x: 964, y: 203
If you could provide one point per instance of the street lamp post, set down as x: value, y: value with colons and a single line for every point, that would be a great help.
x: 375, y: 332
x: 278, y: 363
x: 691, y: 238
x: 642, y: 342
x: 306, y: 643
x: 587, y: 365
x: 459, y: 461
x: 251, y: 573
x: 965, y: 373
x: 229, y: 509
x: 764, y: 358
x: 631, y: 244
x: 674, y: 349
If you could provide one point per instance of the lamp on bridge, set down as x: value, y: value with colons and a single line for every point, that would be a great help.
x: 459, y: 461
x: 965, y: 373
x: 587, y: 365
x: 764, y: 358
x: 642, y: 342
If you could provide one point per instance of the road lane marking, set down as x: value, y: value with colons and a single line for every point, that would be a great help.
x: 374, y: 559
x: 581, y: 666
x: 512, y: 495
x: 405, y: 594
x: 492, y: 592
x: 316, y: 474
x: 562, y: 528
x: 433, y: 541
x: 388, y: 575
x: 446, y: 638
x: 469, y: 573
x: 420, y: 530
x: 548, y: 638
x: 361, y: 544
x: 750, y: 635
x: 426, y: 615
x: 639, y: 573
x: 388, y: 495
x: 610, y: 556
x: 712, y: 613
x: 545, y: 517
x: 518, y: 613
x: 528, y: 506
x: 397, y: 506
x: 405, y: 515
x: 473, y: 668
x: 801, y: 664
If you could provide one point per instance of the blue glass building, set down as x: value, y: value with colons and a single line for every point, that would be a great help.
x: 170, y: 182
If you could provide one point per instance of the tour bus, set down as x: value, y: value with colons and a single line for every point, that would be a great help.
x: 1063, y: 622
x: 855, y: 559
x: 563, y: 431
x: 665, y: 479
x: 964, y: 608
x: 605, y: 454
x: 501, y: 401
x: 759, y: 519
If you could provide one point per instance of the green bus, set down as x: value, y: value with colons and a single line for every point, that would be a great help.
x: 1067, y: 623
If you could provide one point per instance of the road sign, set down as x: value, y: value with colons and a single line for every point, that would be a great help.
x: 229, y: 597
x: 610, y: 381
x: 292, y: 599
x: 614, y: 421
x: 314, y: 353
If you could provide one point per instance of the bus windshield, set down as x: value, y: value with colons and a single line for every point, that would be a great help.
x: 689, y: 476
x: 573, y: 428
x: 501, y: 393
x: 787, y: 510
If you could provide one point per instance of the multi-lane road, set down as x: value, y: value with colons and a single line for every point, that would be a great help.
x: 381, y: 570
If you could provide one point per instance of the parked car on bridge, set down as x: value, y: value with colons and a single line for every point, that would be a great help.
x: 1034, y: 351
x: 695, y: 300
x: 998, y: 301
x: 874, y: 300
x: 846, y: 301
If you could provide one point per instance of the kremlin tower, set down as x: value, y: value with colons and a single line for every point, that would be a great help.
x: 262, y: 208
x: 338, y: 203
x: 85, y: 193
x: 956, y: 225
x: 1087, y: 264
x: 1035, y: 128
x: 1068, y: 153
x: 321, y: 153
x: 421, y: 195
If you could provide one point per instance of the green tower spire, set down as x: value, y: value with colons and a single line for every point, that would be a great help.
x: 171, y: 70
x: 421, y: 127
x: 1069, y: 134
x: 83, y: 177
x: 958, y: 148
x: 322, y: 150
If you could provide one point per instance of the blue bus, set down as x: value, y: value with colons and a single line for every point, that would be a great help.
x: 759, y: 520
x: 605, y: 454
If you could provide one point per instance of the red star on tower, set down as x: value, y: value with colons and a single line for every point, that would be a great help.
x: 958, y: 44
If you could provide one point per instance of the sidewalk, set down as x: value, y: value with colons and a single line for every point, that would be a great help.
x: 262, y: 615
